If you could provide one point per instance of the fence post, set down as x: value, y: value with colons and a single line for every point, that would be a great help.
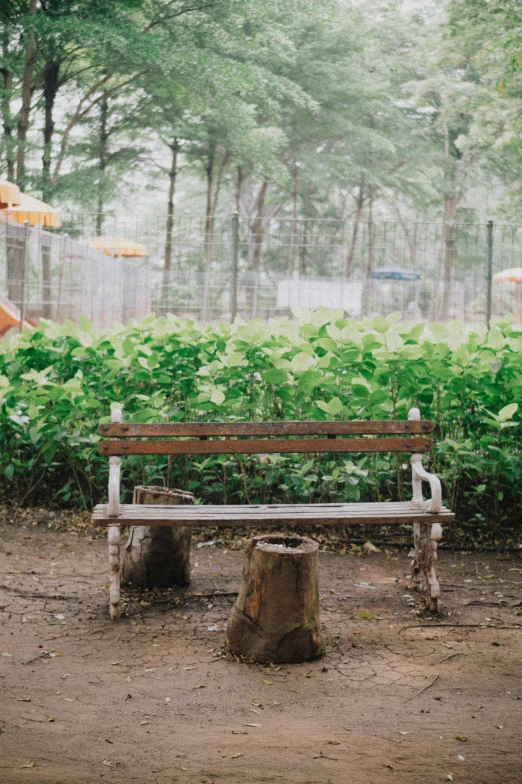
x: 24, y: 275
x: 235, y: 262
x: 489, y: 271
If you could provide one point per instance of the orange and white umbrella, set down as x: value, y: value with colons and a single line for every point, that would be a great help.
x: 33, y: 211
x: 9, y: 194
x: 117, y: 246
x: 513, y: 275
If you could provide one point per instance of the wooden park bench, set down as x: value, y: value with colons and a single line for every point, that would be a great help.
x: 197, y: 438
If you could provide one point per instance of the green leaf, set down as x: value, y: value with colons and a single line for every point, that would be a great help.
x: 507, y: 412
x: 333, y: 407
x: 275, y: 376
x: 217, y: 397
x: 302, y: 362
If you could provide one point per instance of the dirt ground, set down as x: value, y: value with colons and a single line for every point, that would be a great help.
x: 397, y: 697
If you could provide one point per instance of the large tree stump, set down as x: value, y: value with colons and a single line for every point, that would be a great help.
x: 276, y: 617
x: 158, y: 556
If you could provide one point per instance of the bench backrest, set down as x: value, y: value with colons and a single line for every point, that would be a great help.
x: 262, y: 437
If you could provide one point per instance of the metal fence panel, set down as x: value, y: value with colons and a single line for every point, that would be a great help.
x: 423, y: 270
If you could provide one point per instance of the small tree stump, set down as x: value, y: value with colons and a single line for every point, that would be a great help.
x: 158, y: 556
x: 276, y: 617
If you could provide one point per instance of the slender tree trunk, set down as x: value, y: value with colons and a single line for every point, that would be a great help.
x: 173, y: 173
x: 367, y: 287
x: 257, y: 228
x: 212, y: 201
x: 240, y: 178
x: 304, y: 244
x: 102, y: 160
x: 25, y: 109
x: 209, y: 169
x: 50, y: 90
x: 7, y: 119
x: 46, y: 245
x: 293, y: 226
x: 442, y: 294
x: 348, y: 270
x: 448, y: 253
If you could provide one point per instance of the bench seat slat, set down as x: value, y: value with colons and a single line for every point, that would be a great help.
x: 283, y: 514
x: 180, y: 429
x: 260, y: 446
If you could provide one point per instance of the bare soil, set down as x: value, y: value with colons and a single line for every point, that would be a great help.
x: 398, y: 697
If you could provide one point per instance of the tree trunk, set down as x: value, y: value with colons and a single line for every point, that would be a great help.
x: 304, y: 243
x: 15, y: 253
x: 46, y: 243
x: 276, y: 617
x: 102, y: 160
x: 7, y: 119
x: 348, y: 270
x: 158, y: 556
x: 209, y: 222
x: 367, y: 287
x: 448, y: 253
x: 293, y: 225
x: 50, y: 89
x: 240, y: 178
x: 27, y: 92
x: 173, y: 173
x: 212, y: 200
x: 256, y: 229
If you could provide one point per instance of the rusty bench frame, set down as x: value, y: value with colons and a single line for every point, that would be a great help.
x: 243, y: 438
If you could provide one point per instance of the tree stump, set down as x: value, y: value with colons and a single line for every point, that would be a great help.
x: 276, y: 617
x: 158, y: 556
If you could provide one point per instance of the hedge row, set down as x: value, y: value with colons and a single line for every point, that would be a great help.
x: 59, y: 382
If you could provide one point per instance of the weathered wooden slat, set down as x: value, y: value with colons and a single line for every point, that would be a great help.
x: 281, y: 509
x: 200, y: 429
x: 324, y: 514
x: 261, y: 446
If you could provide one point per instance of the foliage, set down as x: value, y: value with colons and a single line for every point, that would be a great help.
x: 59, y: 382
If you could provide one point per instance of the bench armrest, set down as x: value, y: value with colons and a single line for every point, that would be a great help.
x: 114, y: 472
x: 419, y: 473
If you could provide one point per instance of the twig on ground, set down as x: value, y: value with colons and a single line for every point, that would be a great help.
x: 422, y: 690
x: 459, y: 626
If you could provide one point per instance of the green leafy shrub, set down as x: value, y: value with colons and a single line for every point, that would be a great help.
x: 58, y: 382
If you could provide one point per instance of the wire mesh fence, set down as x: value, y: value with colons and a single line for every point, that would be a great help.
x: 230, y: 267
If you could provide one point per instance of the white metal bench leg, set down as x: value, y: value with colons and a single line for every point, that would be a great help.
x: 114, y: 561
x: 114, y: 530
x: 425, y: 537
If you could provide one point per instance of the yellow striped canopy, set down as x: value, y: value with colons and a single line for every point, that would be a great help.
x: 34, y: 211
x: 513, y: 275
x: 117, y: 246
x: 9, y: 194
